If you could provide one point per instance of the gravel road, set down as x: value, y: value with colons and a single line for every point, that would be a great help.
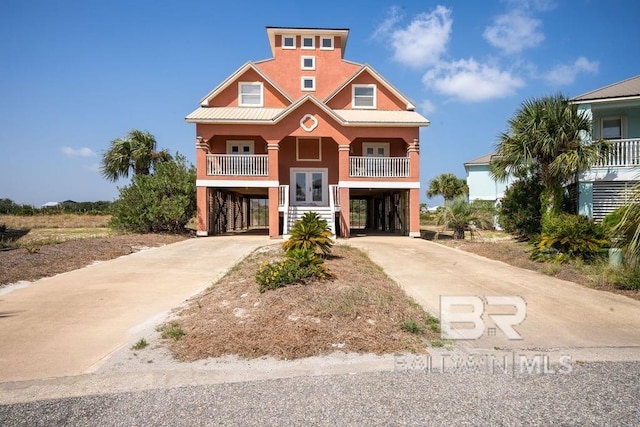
x: 602, y: 394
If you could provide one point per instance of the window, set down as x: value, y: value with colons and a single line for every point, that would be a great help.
x: 250, y: 94
x: 611, y: 128
x: 288, y: 42
x: 239, y: 147
x: 308, y: 42
x: 308, y: 63
x: 326, y: 43
x: 308, y: 83
x: 364, y: 96
x: 375, y: 149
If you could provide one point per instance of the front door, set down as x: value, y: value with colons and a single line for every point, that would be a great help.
x: 309, y: 187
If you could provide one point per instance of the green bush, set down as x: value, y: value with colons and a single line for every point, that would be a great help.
x: 625, y: 278
x: 299, y: 266
x: 310, y: 232
x: 520, y: 208
x: 162, y: 202
x: 566, y: 236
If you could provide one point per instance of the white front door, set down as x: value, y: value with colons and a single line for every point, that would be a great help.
x: 309, y: 187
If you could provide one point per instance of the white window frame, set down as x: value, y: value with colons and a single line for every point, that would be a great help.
x: 353, y: 96
x: 288, y: 36
x: 375, y: 146
x: 243, y: 104
x: 313, y: 60
x: 313, y: 42
x: 322, y: 39
x: 241, y: 142
x: 306, y: 89
x: 303, y: 138
x: 623, y: 126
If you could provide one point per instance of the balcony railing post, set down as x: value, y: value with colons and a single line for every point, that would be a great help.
x: 237, y: 164
x: 378, y: 167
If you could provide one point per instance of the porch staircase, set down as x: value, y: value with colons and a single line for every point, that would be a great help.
x: 296, y: 212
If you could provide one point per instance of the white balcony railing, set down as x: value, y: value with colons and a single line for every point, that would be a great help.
x: 624, y: 152
x: 379, y: 167
x: 238, y: 164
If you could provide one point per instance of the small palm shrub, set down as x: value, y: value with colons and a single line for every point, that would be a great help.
x: 566, y: 236
x: 298, y: 266
x: 459, y: 214
x: 310, y: 232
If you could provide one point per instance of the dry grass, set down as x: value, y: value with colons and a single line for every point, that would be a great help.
x: 360, y: 311
x: 35, y: 262
x: 15, y: 222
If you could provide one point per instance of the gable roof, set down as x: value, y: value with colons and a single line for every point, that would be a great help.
x: 233, y: 77
x: 271, y: 116
x: 626, y: 89
x: 482, y: 160
x: 377, y: 76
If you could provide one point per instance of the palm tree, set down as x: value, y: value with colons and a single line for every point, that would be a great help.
x: 458, y: 214
x: 136, y: 152
x: 310, y: 233
x: 550, y: 136
x: 448, y: 186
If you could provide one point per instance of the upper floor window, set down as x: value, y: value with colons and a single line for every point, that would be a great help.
x: 612, y: 128
x: 308, y: 62
x: 288, y: 42
x: 250, y: 94
x: 364, y: 96
x: 308, y: 42
x: 308, y: 83
x: 326, y: 43
x: 375, y: 149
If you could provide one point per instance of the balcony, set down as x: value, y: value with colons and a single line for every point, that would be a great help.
x: 379, y: 167
x: 237, y: 164
x: 624, y: 152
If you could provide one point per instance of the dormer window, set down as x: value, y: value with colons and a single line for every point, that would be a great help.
x: 308, y: 42
x: 250, y: 94
x: 326, y: 43
x: 288, y: 42
x: 364, y: 96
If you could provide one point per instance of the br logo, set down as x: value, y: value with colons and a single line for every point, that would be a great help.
x: 468, y: 310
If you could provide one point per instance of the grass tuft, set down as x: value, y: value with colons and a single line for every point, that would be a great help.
x: 140, y: 344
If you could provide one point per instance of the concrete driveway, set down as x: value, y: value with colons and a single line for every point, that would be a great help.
x: 68, y: 324
x: 560, y: 315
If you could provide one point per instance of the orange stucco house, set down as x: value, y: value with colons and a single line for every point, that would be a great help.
x: 307, y: 130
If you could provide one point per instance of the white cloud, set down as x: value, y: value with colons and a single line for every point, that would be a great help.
x: 78, y: 152
x: 540, y: 5
x: 514, y: 32
x: 470, y: 81
x: 423, y: 41
x: 427, y: 107
x: 566, y: 74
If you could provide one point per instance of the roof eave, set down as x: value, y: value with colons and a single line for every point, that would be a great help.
x: 604, y: 100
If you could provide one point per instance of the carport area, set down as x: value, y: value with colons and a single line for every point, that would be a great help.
x: 238, y: 210
x: 379, y: 211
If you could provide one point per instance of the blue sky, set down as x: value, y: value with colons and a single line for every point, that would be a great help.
x: 76, y: 74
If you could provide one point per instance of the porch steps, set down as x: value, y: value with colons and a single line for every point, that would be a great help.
x: 325, y: 212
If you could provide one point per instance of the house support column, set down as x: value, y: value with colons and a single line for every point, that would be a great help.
x: 274, y: 194
x: 414, y: 193
x: 343, y: 175
x: 202, y: 214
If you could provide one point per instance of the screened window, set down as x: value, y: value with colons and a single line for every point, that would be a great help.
x: 364, y: 96
x: 612, y: 128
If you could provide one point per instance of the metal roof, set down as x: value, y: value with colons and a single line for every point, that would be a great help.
x: 234, y: 114
x: 624, y: 89
x: 482, y: 160
x: 400, y: 117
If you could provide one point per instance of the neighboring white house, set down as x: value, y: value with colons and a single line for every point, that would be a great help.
x: 615, y: 114
x: 482, y: 186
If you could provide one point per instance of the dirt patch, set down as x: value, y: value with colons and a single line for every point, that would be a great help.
x: 48, y: 260
x: 361, y: 311
x: 517, y: 253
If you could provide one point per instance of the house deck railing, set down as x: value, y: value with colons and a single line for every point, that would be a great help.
x: 378, y: 167
x: 624, y: 152
x: 238, y: 164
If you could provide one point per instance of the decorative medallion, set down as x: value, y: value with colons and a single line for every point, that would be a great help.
x: 308, y: 122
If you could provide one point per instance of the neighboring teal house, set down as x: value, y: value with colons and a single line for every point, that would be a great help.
x: 615, y: 114
x: 481, y: 185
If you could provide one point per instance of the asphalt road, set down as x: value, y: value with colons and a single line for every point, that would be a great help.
x: 596, y: 394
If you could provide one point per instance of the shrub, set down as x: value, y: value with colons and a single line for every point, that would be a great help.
x: 299, y: 266
x: 566, y: 236
x: 520, y: 208
x: 310, y: 232
x: 162, y: 202
x: 458, y: 214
